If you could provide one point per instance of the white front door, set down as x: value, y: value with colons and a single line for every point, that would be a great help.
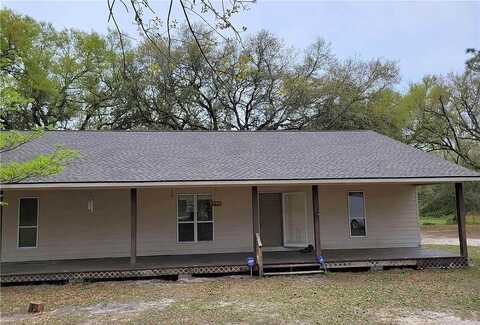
x: 295, y: 219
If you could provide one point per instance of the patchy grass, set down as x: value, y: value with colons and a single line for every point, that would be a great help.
x: 343, y: 297
x: 435, y: 221
x: 471, y: 219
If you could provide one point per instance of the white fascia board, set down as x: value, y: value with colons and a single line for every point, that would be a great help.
x: 79, y: 185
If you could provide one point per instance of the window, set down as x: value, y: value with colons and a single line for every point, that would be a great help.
x: 356, y: 214
x: 28, y: 223
x: 194, y: 217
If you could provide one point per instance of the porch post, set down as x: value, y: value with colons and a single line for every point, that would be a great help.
x: 316, y: 220
x: 255, y: 219
x: 133, y: 225
x: 460, y: 203
x: 1, y: 221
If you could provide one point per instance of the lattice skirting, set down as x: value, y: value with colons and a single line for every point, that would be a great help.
x: 442, y: 263
x: 423, y: 263
x: 219, y: 269
x: 380, y: 263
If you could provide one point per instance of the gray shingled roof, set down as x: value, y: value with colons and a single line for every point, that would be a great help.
x: 194, y: 156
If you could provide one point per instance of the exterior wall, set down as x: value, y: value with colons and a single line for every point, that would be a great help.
x: 157, y: 222
x: 68, y: 230
x: 391, y: 211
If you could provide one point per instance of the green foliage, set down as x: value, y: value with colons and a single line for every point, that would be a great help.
x: 435, y: 221
x: 438, y: 201
x: 471, y: 219
x: 261, y: 84
x: 11, y: 139
x: 51, y: 79
x: 446, y: 115
x: 445, y: 119
x: 40, y: 166
x: 74, y: 80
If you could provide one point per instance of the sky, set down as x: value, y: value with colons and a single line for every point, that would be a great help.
x: 423, y: 37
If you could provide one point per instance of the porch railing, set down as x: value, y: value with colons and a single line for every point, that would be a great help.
x: 259, y: 253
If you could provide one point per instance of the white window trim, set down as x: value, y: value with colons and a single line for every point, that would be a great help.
x: 195, y: 221
x: 18, y: 222
x: 364, y: 214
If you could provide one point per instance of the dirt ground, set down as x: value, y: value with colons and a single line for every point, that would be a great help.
x: 388, y: 297
x: 448, y: 235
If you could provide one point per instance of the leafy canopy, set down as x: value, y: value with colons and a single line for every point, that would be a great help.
x: 40, y: 166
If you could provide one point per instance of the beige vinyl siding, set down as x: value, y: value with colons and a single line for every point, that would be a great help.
x: 391, y: 217
x: 157, y: 222
x: 67, y: 230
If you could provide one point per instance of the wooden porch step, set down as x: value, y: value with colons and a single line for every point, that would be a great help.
x: 293, y: 273
x: 270, y: 266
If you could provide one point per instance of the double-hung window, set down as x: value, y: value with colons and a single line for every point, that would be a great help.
x: 356, y: 214
x: 194, y: 217
x: 28, y: 223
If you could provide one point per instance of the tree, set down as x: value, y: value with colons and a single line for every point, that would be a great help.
x: 439, y: 200
x: 448, y: 117
x: 447, y: 122
x: 350, y: 93
x: 260, y: 85
x: 40, y: 166
x: 52, y: 79
x: 73, y: 80
x: 216, y: 16
x: 16, y: 37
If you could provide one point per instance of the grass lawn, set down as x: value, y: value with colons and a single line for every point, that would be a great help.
x: 344, y: 297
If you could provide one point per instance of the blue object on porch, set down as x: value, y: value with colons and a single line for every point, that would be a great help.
x: 320, y: 260
x: 250, y: 261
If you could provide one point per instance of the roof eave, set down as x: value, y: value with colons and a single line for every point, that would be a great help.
x: 181, y: 183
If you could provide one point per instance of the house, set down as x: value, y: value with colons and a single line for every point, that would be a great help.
x: 154, y: 203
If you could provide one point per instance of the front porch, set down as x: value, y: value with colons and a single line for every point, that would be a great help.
x: 119, y: 233
x: 224, y: 263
